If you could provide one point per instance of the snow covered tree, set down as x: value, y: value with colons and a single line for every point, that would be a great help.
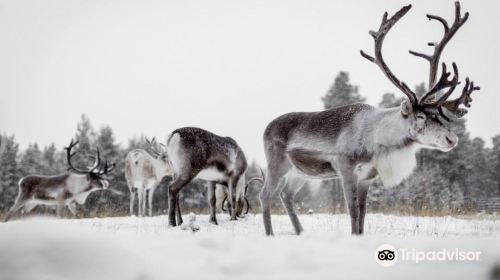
x: 54, y: 161
x: 85, y: 136
x: 390, y: 100
x: 341, y: 93
x: 9, y: 172
x: 31, y: 161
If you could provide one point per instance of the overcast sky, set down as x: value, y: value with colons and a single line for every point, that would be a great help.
x: 227, y: 66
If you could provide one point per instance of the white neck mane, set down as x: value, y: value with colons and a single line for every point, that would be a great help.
x: 393, y: 167
x: 394, y: 160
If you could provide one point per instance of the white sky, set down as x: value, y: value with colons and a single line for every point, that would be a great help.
x: 226, y: 66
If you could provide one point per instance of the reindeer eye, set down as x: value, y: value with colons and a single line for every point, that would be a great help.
x: 422, y: 117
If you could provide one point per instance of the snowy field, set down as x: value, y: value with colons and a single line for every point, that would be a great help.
x: 146, y: 249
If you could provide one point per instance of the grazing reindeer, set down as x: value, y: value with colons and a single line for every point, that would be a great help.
x: 68, y: 188
x: 222, y: 193
x: 143, y: 173
x: 359, y: 142
x: 197, y: 153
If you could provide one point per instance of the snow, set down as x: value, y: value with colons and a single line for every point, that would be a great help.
x: 147, y: 249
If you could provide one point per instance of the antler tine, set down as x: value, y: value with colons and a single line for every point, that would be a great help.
x: 449, y: 32
x: 465, y: 99
x: 442, y: 83
x: 452, y: 84
x: 256, y: 178
x: 97, y: 162
x: 106, y: 169
x: 152, y: 146
x: 378, y: 36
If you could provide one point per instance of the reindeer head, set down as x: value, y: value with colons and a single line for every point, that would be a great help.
x: 159, y: 152
x: 428, y: 116
x: 96, y: 174
x: 241, y: 194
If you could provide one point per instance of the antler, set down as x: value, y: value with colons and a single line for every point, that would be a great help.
x: 435, y: 86
x: 378, y: 37
x: 439, y: 47
x: 261, y: 179
x: 97, y: 168
x: 106, y: 168
x: 256, y: 178
x: 443, y: 82
x: 465, y: 99
x: 153, y: 146
x: 69, y: 155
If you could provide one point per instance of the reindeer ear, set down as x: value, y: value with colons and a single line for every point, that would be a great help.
x: 406, y: 108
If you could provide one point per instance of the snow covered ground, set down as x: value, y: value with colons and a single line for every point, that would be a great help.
x: 146, y: 249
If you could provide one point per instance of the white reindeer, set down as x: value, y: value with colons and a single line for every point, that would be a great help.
x: 144, y: 173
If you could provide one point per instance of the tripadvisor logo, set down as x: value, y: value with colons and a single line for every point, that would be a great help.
x: 387, y: 255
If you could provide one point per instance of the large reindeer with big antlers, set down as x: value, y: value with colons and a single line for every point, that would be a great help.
x: 67, y: 189
x: 197, y: 153
x: 359, y: 142
x: 144, y: 172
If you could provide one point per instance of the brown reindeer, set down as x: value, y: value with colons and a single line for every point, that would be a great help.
x: 199, y: 154
x: 68, y: 188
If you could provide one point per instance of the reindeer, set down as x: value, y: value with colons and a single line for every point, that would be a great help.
x: 358, y: 142
x: 197, y: 153
x: 144, y: 172
x: 68, y: 188
x: 222, y: 193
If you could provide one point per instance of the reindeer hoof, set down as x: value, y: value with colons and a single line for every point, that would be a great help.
x: 213, y: 221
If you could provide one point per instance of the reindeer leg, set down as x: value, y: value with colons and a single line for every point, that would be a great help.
x: 349, y: 182
x: 132, y: 198
x: 18, y: 204
x: 72, y: 208
x: 140, y: 195
x: 60, y: 207
x: 178, y: 212
x: 173, y: 191
x: 28, y: 207
x: 144, y: 200
x: 232, y: 197
x: 278, y: 166
x: 363, y: 187
x: 287, y: 194
x: 150, y: 200
x: 211, y: 202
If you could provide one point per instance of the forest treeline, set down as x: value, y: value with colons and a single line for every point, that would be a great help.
x: 443, y: 183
